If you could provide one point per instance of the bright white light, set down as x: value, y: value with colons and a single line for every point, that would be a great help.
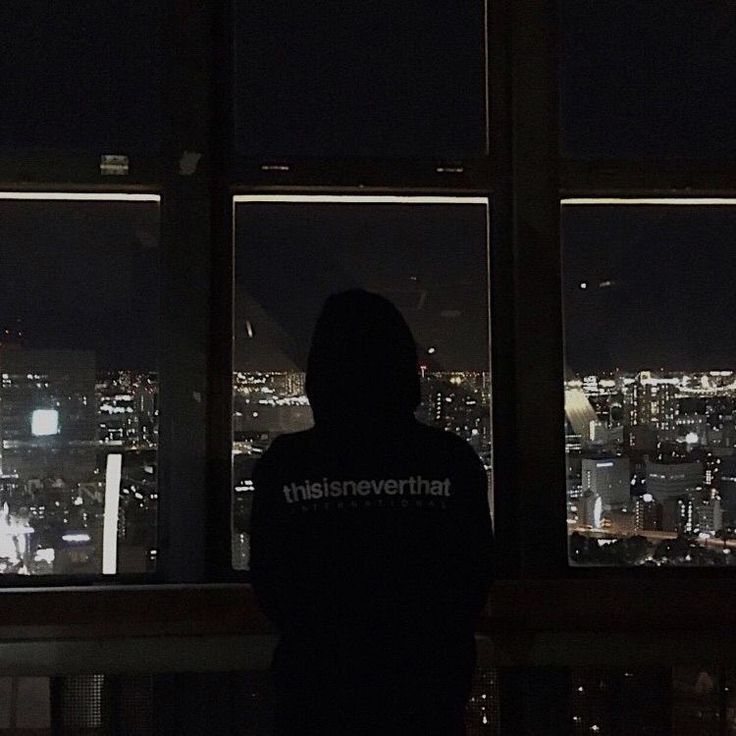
x: 647, y: 498
x: 76, y: 537
x: 691, y: 438
x: 356, y: 199
x: 683, y: 201
x: 45, y: 555
x: 82, y: 196
x: 44, y: 422
x: 113, y: 474
x: 597, y: 512
x: 583, y: 284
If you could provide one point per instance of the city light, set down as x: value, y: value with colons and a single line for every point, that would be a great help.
x: 78, y: 538
x: 44, y: 422
x: 112, y: 503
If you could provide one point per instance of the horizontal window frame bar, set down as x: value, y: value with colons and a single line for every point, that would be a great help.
x: 69, y: 169
x: 368, y: 199
x: 80, y: 196
x: 684, y: 200
x: 552, y: 607
x: 434, y: 173
x: 624, y: 175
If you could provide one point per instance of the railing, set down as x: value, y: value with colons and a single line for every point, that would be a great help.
x: 555, y: 657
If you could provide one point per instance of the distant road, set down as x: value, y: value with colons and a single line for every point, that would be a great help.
x: 650, y: 534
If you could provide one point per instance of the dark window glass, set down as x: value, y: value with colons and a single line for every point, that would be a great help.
x: 648, y: 80
x: 379, y: 79
x: 651, y: 382
x: 80, y: 75
x: 430, y: 258
x: 78, y: 384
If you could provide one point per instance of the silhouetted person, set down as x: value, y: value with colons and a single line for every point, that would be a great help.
x: 371, y: 542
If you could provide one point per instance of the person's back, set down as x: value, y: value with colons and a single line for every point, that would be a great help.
x: 371, y: 540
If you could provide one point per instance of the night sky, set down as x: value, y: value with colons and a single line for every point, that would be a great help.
x: 653, y: 79
x: 429, y: 259
x: 648, y: 79
x: 672, y: 300
x: 82, y: 276
x: 81, y: 75
x: 382, y: 78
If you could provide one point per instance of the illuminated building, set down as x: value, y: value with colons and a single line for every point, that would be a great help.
x: 665, y: 480
x: 609, y: 478
x: 727, y: 484
x: 579, y: 411
x: 590, y: 510
x: 603, y: 435
x: 10, y: 489
x: 621, y: 521
x: 678, y: 514
x: 127, y: 409
x: 643, y: 438
x: 653, y: 402
x: 708, y: 516
x: 647, y: 513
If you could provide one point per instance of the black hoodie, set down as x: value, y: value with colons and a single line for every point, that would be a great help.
x: 371, y: 532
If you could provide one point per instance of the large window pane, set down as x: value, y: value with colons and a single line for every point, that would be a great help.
x: 81, y: 75
x: 78, y: 392
x: 651, y: 381
x: 429, y: 256
x: 648, y: 80
x: 381, y: 79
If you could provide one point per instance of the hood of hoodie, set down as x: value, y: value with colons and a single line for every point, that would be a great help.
x: 362, y: 367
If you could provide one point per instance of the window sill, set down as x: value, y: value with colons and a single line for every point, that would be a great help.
x: 188, y: 628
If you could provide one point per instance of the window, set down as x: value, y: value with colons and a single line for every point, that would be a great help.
x: 647, y: 80
x: 428, y: 255
x: 651, y: 382
x: 378, y: 79
x: 81, y: 75
x: 78, y: 383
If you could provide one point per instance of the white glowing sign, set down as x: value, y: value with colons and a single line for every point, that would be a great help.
x: 44, y: 422
x: 76, y: 537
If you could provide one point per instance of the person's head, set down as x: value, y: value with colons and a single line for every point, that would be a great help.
x: 362, y: 361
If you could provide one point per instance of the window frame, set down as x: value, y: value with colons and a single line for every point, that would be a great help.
x: 12, y: 580
x: 670, y: 178
x: 579, y: 191
x: 294, y: 176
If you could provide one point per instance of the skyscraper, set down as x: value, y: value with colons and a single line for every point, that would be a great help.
x: 653, y: 402
x: 667, y: 480
x: 609, y: 478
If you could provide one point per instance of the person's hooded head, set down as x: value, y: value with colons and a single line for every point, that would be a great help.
x: 362, y: 364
